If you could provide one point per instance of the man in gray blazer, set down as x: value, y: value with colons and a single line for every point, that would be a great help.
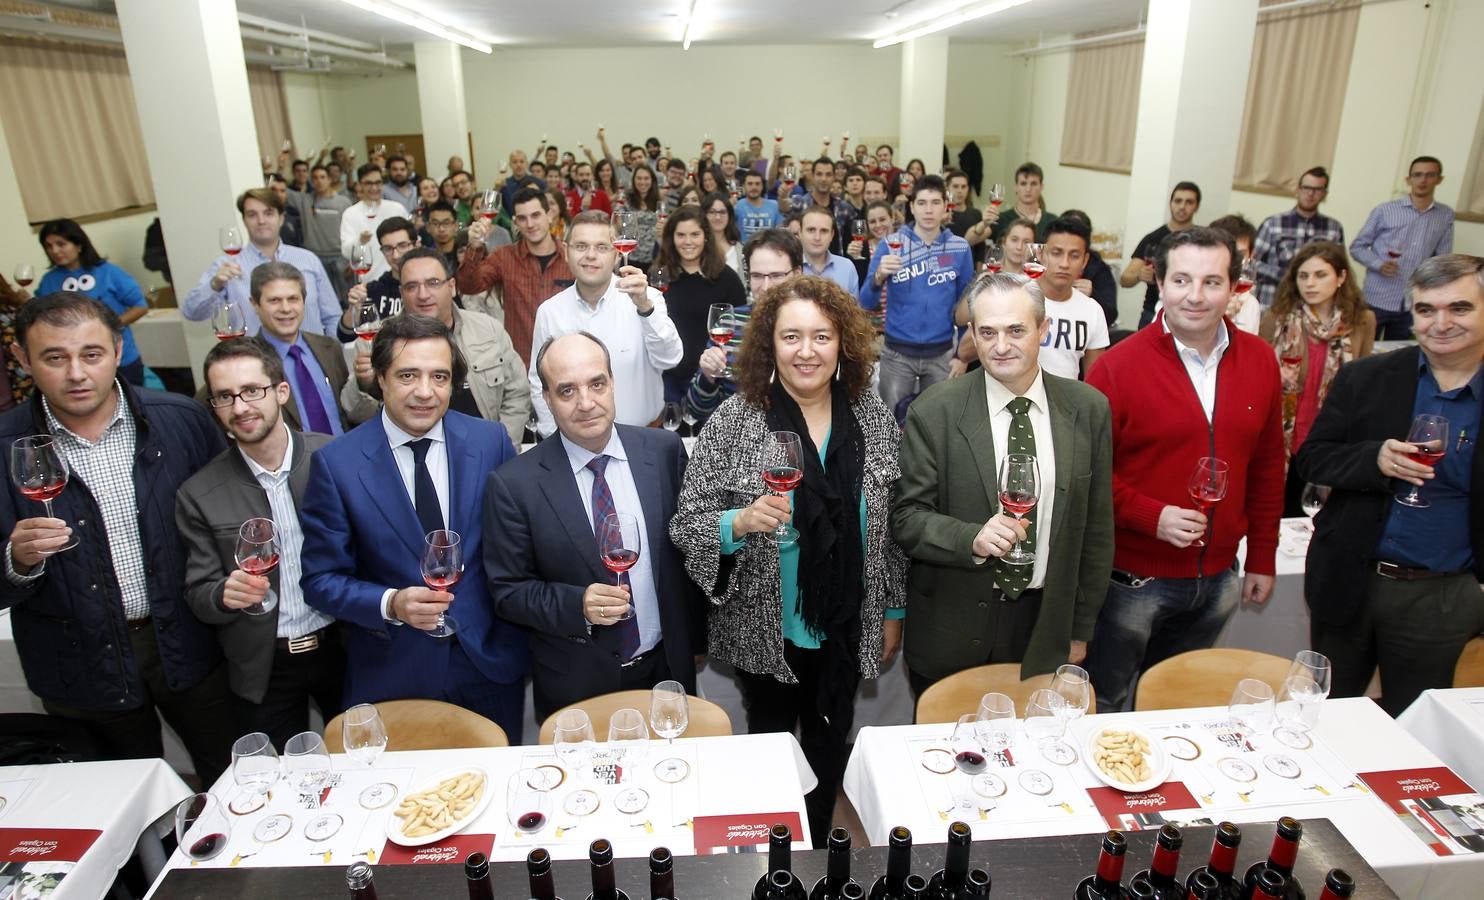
x: 281, y: 653
x: 966, y: 605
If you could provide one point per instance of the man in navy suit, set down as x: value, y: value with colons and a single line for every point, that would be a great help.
x: 545, y: 572
x: 373, y: 495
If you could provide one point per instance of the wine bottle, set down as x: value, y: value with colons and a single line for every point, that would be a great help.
x: 477, y: 872
x: 1337, y: 885
x: 898, y: 866
x: 661, y: 874
x: 359, y: 881
x: 1107, y: 882
x: 600, y: 856
x: 1270, y: 885
x: 1166, y: 863
x: 1222, y: 865
x: 852, y: 891
x: 1280, y: 859
x: 978, y: 885
x: 1141, y: 889
x: 837, y: 868
x: 538, y: 870
x: 780, y: 849
x: 948, y: 882
x: 1202, y: 885
x: 914, y: 887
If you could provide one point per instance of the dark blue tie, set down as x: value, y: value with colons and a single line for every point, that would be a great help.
x: 424, y: 495
x: 626, y: 630
x: 308, y: 391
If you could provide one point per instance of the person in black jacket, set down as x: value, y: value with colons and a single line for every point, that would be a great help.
x: 102, y: 628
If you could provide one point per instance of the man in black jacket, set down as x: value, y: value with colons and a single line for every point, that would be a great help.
x: 102, y: 628
x: 1390, y: 583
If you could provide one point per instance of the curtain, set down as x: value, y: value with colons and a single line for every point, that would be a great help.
x: 269, y: 110
x: 1103, y: 105
x: 1471, y: 198
x: 1295, y: 91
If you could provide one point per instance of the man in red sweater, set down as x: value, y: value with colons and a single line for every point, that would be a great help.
x: 1189, y: 385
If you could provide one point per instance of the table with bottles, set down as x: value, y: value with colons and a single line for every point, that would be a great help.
x: 906, y: 775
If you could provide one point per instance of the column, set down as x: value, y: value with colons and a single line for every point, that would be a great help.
x: 15, y: 228
x: 190, y: 87
x: 440, y: 97
x: 924, y: 101
x: 1190, y: 111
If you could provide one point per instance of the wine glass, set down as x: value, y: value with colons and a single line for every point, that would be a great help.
x: 995, y: 721
x: 527, y: 806
x: 1072, y: 685
x: 363, y: 733
x: 790, y: 178
x: 228, y: 320
x: 307, y: 763
x: 1312, y: 499
x: 1032, y: 266
x: 255, y: 767
x: 1044, y: 721
x: 996, y: 195
x: 994, y: 256
x: 1297, y: 707
x: 1020, y: 488
x: 669, y: 714
x: 489, y: 205
x: 626, y: 232
x: 659, y: 279
x: 1251, y: 706
x: 360, y: 260
x: 721, y: 325
x: 1429, y: 434
x: 673, y: 415
x: 25, y: 273
x: 968, y: 758
x: 628, y: 740
x: 40, y: 472
x: 858, y: 233
x: 1247, y: 280
x: 202, y: 826
x: 1207, y: 485
x: 257, y: 554
x: 894, y: 243
x: 368, y: 320
x: 783, y: 469
x: 619, y: 542
x: 573, y: 740
x: 442, y: 567
x: 230, y: 239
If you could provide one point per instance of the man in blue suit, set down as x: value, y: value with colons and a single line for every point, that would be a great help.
x: 373, y: 495
x: 545, y: 571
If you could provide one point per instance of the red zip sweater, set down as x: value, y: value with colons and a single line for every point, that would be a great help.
x: 1160, y: 430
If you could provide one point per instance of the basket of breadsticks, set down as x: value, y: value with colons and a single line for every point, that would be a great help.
x: 443, y: 805
x: 1125, y: 757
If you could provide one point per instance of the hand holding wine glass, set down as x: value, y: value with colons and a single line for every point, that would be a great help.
x: 626, y: 232
x: 257, y: 555
x: 1207, y: 485
x: 1020, y: 488
x: 720, y: 328
x: 228, y: 320
x: 39, y: 471
x: 1429, y: 442
x: 783, y: 469
x: 442, y: 566
x: 619, y: 544
x: 368, y: 320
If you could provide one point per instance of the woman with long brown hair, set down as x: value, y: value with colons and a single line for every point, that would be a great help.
x: 643, y: 198
x: 1318, y: 322
x: 694, y: 261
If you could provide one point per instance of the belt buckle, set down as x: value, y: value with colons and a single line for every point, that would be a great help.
x: 304, y: 644
x: 1388, y: 570
x: 635, y: 659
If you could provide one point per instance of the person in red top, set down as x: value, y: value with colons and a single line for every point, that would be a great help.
x: 584, y: 194
x: 526, y: 272
x: 1188, y: 385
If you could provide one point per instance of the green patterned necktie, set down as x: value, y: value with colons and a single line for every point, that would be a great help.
x: 1015, y: 579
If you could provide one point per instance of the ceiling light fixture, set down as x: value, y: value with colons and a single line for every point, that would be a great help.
x: 690, y: 17
x: 399, y: 13
x: 923, y: 26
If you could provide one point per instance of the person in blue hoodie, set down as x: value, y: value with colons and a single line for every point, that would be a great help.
x: 76, y: 266
x: 923, y: 283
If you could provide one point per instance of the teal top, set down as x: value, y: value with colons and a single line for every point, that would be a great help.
x: 794, y: 629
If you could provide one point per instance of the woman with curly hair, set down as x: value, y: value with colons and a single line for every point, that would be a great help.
x: 804, y: 621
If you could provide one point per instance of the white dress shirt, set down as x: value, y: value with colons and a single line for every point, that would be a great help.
x: 642, y: 348
x: 1202, y: 370
x: 620, y: 480
x: 437, y: 463
x: 295, y: 617
x: 999, y: 398
x: 361, y: 217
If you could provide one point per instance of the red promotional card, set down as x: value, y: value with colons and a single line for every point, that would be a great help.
x: 45, y: 844
x: 1127, y: 811
x: 733, y: 833
x: 1437, y: 806
x: 453, y: 849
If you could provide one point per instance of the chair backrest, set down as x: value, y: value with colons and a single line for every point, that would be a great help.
x: 1470, y: 669
x: 426, y: 725
x: 705, y: 719
x: 1206, y: 677
x: 959, y: 693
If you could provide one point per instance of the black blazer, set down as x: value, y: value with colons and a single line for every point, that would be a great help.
x: 541, y: 555
x: 1370, y: 400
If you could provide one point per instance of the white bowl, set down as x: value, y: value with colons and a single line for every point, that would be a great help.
x: 1159, y: 761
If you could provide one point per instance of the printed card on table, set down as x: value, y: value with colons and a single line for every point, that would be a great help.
x: 742, y: 832
x: 1170, y: 802
x: 1436, y: 805
x: 35, y: 861
x: 453, y: 849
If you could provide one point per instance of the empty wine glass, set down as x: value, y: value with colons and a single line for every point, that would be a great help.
x: 1020, y: 488
x: 307, y: 763
x: 363, y: 733
x: 619, y: 543
x: 1045, y: 722
x: 1252, y: 705
x: 202, y: 826
x: 669, y: 714
x: 1071, y: 684
x: 1429, y: 434
x: 1207, y: 484
x: 574, y: 740
x: 527, y: 805
x: 25, y: 273
x: 628, y: 740
x: 228, y: 320
x: 39, y: 471
x: 1300, y: 698
x: 442, y: 566
x: 783, y: 469
x: 674, y: 414
x: 995, y: 722
x: 257, y: 554
x: 230, y: 239
x: 1313, y: 498
x: 255, y: 768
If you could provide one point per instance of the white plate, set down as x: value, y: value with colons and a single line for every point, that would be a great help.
x: 1159, y: 761
x: 394, y: 824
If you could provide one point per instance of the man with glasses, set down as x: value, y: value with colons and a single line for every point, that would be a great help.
x: 623, y: 308
x: 1280, y: 236
x: 1398, y: 236
x: 358, y: 224
x: 395, y: 237
x: 281, y: 660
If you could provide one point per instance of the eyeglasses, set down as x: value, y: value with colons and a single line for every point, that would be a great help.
x: 441, y: 223
x: 770, y: 277
x: 250, y: 394
x: 413, y: 288
x: 1312, y: 189
x: 398, y: 249
x: 585, y: 249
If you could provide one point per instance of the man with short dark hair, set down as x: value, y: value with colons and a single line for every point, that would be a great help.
x: 463, y: 191
x: 1028, y: 205
x: 394, y: 237
x: 399, y: 187
x: 96, y: 591
x: 1185, y: 201
x: 1076, y: 331
x: 1398, y: 236
x: 820, y: 193
x: 358, y: 223
x: 519, y: 179
x: 674, y: 183
x: 291, y: 232
x: 584, y: 195
x: 754, y: 211
x: 443, y: 228
x: 817, y: 228
x: 320, y: 210
x: 884, y: 168
x: 964, y: 220
x: 1280, y: 236
x: 300, y: 180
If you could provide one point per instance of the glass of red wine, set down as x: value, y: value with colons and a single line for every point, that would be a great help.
x: 202, y: 826
x: 1208, y: 481
x: 39, y: 471
x: 783, y: 469
x: 528, y: 807
x: 659, y: 279
x: 257, y: 554
x: 442, y: 567
x: 25, y: 273
x: 996, y: 195
x: 894, y: 243
x: 1020, y: 488
x: 1429, y: 434
x: 360, y: 260
x: 368, y: 320
x: 625, y: 232
x: 489, y: 205
x: 230, y: 239
x: 1032, y: 266
x: 620, y: 544
x: 721, y: 327
x: 228, y: 320
x: 858, y: 233
x: 994, y: 257
x: 1247, y: 280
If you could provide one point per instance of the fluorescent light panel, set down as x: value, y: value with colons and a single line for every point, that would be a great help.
x: 690, y: 18
x: 398, y: 13
x: 923, y: 26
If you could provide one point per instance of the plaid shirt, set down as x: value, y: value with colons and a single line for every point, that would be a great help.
x: 522, y: 282
x: 1399, y: 226
x: 1278, y: 241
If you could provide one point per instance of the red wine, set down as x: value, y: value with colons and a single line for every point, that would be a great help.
x: 229, y: 335
x: 948, y: 882
x: 44, y: 491
x: 1426, y: 456
x: 232, y: 251
x: 721, y: 336
x: 661, y: 874
x: 1244, y: 285
x: 837, y: 869
x: 625, y: 245
x: 1221, y: 866
x: 782, y: 479
x: 441, y: 579
x: 996, y: 203
x: 993, y: 267
x: 890, y: 886
x: 368, y: 334
x: 1160, y: 876
x: 538, y: 871
x: 1337, y: 885
x: 969, y: 761
x: 207, y: 847
x: 24, y: 282
x: 531, y: 821
x: 1203, y: 500
x: 487, y: 216
x: 1394, y: 254
x: 620, y: 560
x: 477, y: 873
x: 894, y: 244
x: 663, y: 287
x: 362, y: 270
x: 1033, y: 270
x: 1107, y: 882
x: 1281, y: 857
x: 1017, y: 503
x: 257, y: 565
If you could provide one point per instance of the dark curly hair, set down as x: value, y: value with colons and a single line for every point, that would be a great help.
x: 755, y: 361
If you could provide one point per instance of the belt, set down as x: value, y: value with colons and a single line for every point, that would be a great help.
x: 1399, y: 572
x: 640, y: 657
x: 140, y: 624
x: 300, y: 644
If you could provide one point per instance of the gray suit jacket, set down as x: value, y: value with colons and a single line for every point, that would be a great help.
x: 209, y: 509
x: 949, y: 489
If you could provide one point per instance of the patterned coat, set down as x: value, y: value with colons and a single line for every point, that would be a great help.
x: 725, y: 472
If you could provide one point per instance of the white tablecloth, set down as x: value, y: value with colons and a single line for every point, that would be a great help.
x: 1450, y: 723
x: 881, y: 781
x: 120, y: 798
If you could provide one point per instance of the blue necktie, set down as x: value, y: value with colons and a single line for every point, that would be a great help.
x: 424, y: 494
x: 308, y: 391
x: 627, y: 630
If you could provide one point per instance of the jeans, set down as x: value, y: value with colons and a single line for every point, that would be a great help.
x: 1392, y: 325
x: 1140, y: 626
x: 903, y: 376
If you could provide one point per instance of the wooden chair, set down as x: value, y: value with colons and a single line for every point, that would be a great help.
x: 426, y: 725
x: 959, y: 693
x: 1470, y: 669
x: 706, y: 719
x: 1206, y: 677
